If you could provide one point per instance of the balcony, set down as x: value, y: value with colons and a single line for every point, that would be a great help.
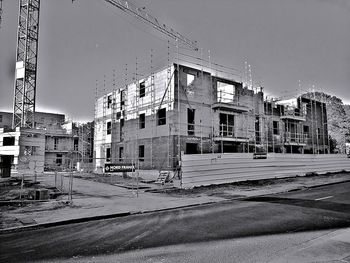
x: 231, y: 106
x: 57, y: 149
x: 296, y: 139
x: 293, y: 114
x: 229, y: 133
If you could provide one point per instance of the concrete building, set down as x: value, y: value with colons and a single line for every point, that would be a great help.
x: 43, y: 120
x: 150, y: 122
x: 22, y: 147
x: 185, y: 109
x: 71, y: 141
x: 297, y: 125
x: 57, y: 142
x: 5, y: 120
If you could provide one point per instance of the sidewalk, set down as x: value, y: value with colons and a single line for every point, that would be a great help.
x: 91, y: 199
x: 332, y: 247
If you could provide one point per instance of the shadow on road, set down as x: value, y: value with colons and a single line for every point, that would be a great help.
x: 325, y: 205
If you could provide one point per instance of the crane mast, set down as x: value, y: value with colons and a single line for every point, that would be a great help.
x: 26, y: 64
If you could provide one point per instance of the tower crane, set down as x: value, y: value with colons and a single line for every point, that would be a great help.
x: 27, y: 53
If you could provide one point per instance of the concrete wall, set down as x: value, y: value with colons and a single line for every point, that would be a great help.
x: 207, y: 169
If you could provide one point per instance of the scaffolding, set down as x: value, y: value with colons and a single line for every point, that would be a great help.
x: 253, y: 129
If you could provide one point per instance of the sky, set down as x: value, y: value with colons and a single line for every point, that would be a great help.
x: 88, y: 45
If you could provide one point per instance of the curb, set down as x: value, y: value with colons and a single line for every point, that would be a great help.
x: 316, y: 186
x: 125, y: 214
x: 95, y: 218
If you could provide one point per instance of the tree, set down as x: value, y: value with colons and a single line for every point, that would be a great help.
x: 333, y: 145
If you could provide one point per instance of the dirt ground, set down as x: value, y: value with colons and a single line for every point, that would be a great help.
x: 227, y: 190
x: 114, y: 193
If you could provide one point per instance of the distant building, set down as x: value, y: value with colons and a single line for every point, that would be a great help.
x: 57, y: 142
x: 42, y: 119
x: 71, y: 141
x: 297, y: 125
x: 21, y: 147
x: 5, y: 120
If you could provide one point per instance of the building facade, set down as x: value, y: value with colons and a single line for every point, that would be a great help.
x: 57, y: 142
x: 69, y: 142
x: 21, y: 146
x: 42, y: 120
x: 181, y: 109
x: 297, y: 125
x: 178, y: 109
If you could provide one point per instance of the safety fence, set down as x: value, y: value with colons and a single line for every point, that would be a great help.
x: 208, y: 169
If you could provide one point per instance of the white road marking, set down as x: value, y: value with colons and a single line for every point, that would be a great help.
x: 323, y: 198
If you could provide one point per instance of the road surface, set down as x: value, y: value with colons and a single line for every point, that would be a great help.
x: 278, y: 221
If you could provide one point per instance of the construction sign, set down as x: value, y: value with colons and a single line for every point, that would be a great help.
x: 119, y: 167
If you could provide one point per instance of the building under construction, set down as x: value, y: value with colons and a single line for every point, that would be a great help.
x: 55, y: 142
x: 297, y: 125
x: 182, y: 109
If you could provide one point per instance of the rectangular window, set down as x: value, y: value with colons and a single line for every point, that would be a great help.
x: 227, y: 123
x: 76, y: 144
x: 109, y: 101
x: 142, y: 121
x: 8, y: 141
x: 121, y: 154
x: 306, y: 129
x: 27, y: 150
x: 121, y: 126
x: 58, y: 159
x: 55, y: 144
x: 0, y: 118
x: 225, y: 92
x: 190, y: 79
x: 142, y: 89
x: 190, y: 121
x: 122, y: 99
x: 108, y: 154
x: 257, y: 130
x: 276, y: 128
x: 269, y: 108
x: 109, y: 127
x: 191, y: 148
x: 141, y: 153
x: 318, y: 133
x: 161, y: 117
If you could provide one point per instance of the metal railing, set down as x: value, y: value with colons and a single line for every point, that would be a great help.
x: 293, y: 137
x: 227, y: 130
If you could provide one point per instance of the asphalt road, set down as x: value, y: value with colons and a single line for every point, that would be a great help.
x: 315, y: 210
